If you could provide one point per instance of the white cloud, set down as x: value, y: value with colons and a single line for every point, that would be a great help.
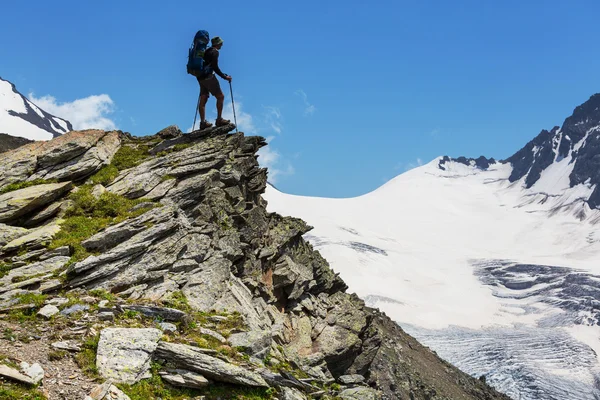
x: 273, y: 118
x: 309, y: 109
x: 87, y: 113
x: 271, y: 159
x: 245, y: 122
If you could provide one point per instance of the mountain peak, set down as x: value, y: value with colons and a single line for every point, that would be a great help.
x: 22, y: 118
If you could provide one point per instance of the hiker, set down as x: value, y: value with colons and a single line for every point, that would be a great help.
x: 210, y: 85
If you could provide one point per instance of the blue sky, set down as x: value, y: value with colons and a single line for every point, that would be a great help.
x: 350, y: 93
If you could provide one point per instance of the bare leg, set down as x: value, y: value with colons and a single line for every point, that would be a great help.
x: 203, y: 100
x: 220, y: 101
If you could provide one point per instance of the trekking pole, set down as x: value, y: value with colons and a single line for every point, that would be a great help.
x: 233, y: 106
x: 196, y: 112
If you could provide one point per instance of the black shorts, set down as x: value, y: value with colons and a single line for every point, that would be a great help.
x: 209, y: 86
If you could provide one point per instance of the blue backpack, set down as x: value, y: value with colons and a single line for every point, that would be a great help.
x: 196, y: 65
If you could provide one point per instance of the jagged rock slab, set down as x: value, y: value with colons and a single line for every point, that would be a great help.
x: 351, y: 379
x: 66, y: 345
x: 9, y: 233
x: 213, y: 334
x: 13, y: 374
x: 165, y: 313
x: 23, y: 163
x: 38, y: 268
x: 124, y: 353
x: 83, y: 165
x: 192, y: 137
x: 35, y: 239
x: 255, y: 343
x: 188, y: 357
x: 20, y: 202
x: 184, y: 378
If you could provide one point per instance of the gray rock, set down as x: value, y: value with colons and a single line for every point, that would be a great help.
x: 9, y: 233
x: 45, y: 213
x: 292, y: 394
x: 60, y: 251
x: 360, y: 393
x: 20, y: 202
x: 106, y: 316
x: 124, y: 353
x: 66, y: 345
x: 106, y: 391
x: 167, y: 327
x: 35, y: 269
x: 351, y: 379
x: 13, y: 374
x: 28, y: 256
x: 85, y: 164
x: 57, y: 301
x: 34, y: 371
x: 114, y: 393
x: 75, y: 308
x: 34, y: 239
x: 48, y: 311
x: 165, y: 313
x: 213, y: 334
x: 255, y: 343
x: 103, y: 304
x: 169, y: 132
x: 188, y: 357
x: 184, y: 378
x: 98, y: 190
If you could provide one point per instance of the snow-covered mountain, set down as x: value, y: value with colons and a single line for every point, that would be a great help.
x: 493, y: 264
x: 19, y: 117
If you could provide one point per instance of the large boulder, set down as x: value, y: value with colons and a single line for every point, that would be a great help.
x: 191, y: 358
x: 124, y: 353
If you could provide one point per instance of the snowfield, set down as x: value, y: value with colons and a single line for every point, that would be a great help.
x: 495, y: 277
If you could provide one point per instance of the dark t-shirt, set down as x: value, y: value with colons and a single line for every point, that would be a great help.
x: 211, y: 57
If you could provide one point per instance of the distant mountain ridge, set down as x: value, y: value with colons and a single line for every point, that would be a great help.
x: 491, y: 263
x: 19, y: 117
x: 576, y: 143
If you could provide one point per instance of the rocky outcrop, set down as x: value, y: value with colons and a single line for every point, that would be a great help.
x: 8, y: 142
x: 20, y: 202
x: 199, y: 248
x: 184, y: 356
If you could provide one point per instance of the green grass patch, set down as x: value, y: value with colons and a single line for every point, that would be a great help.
x: 105, y: 176
x: 9, y: 362
x: 86, y: 358
x: 89, y: 215
x: 178, y: 300
x: 56, y: 355
x: 129, y: 156
x: 4, y: 269
x: 103, y: 294
x: 155, y: 388
x: 32, y: 298
x: 11, y: 187
x: 10, y: 391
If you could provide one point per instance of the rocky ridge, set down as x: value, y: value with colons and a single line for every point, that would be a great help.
x: 155, y: 260
x: 578, y: 140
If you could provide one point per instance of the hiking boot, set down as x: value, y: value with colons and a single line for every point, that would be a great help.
x: 205, y: 124
x: 222, y: 121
